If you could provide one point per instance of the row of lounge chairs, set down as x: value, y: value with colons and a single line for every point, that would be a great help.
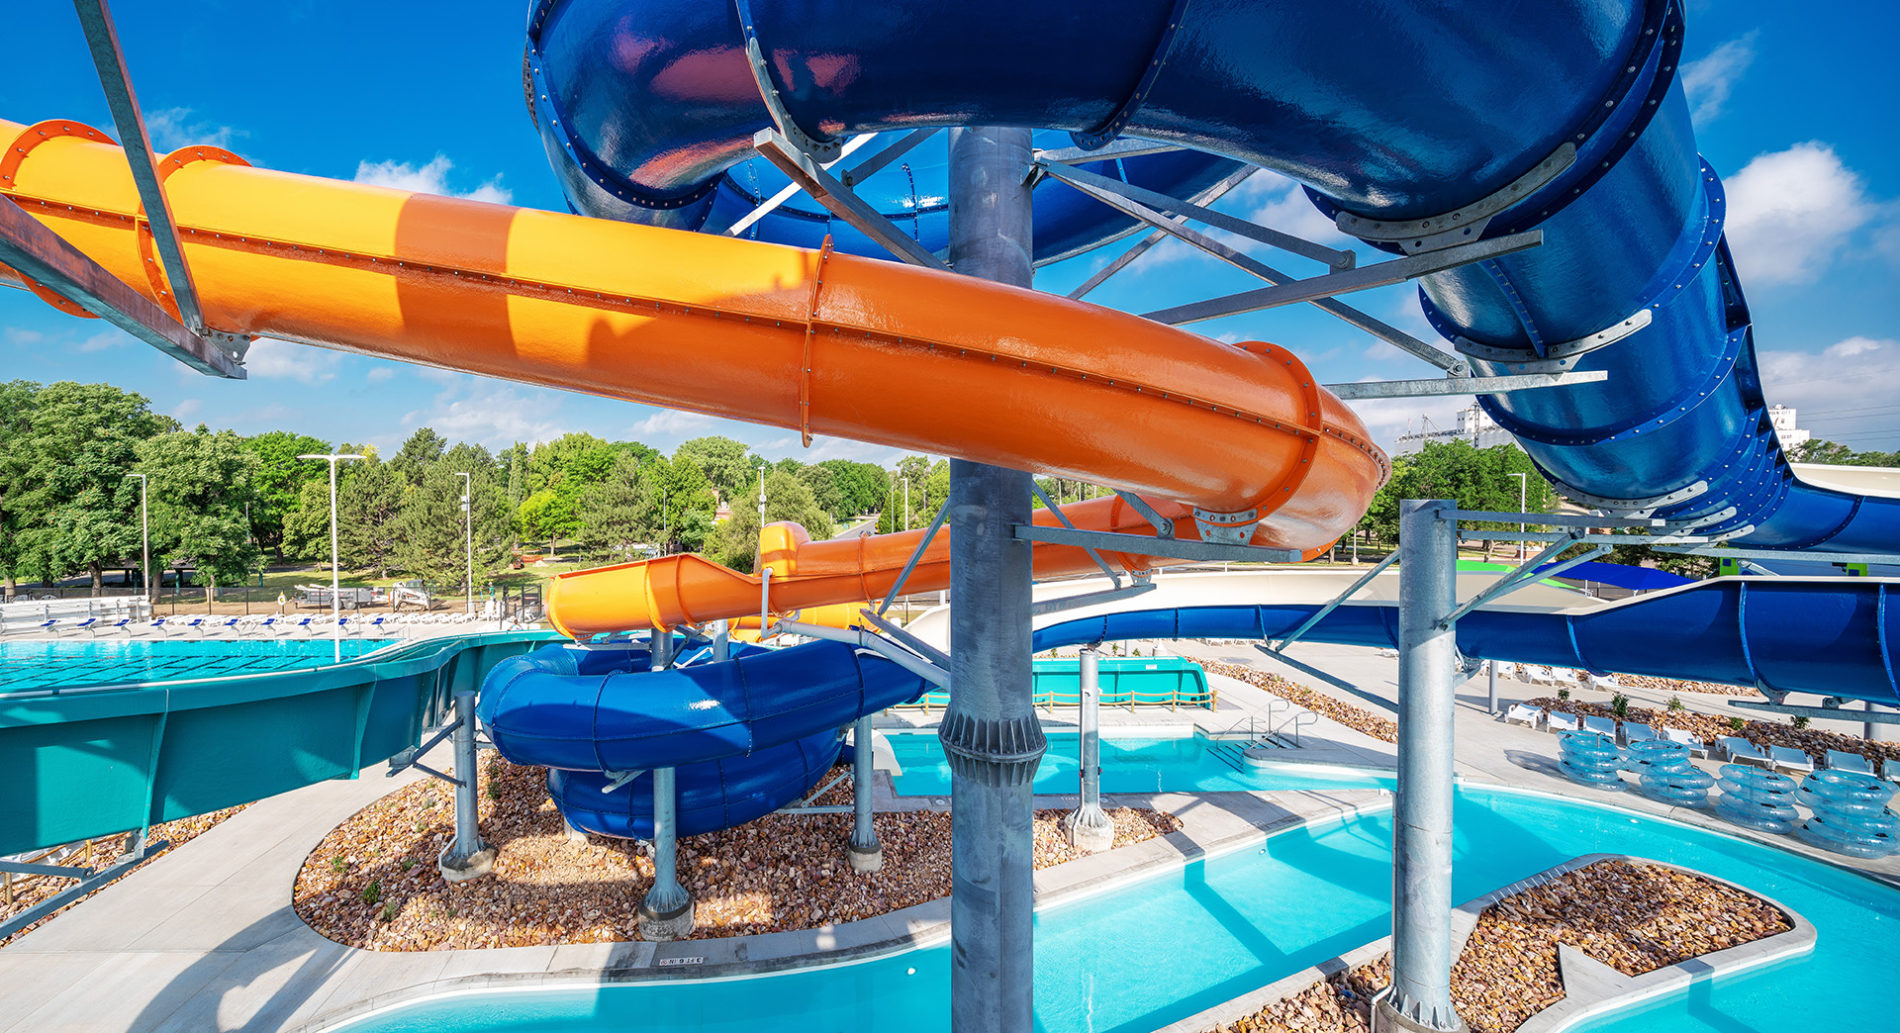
x: 207, y: 624
x: 1734, y: 747
x: 1533, y: 674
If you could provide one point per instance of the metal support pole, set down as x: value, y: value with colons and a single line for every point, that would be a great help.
x: 1491, y: 673
x: 1089, y: 827
x: 863, y: 852
x: 467, y: 857
x: 1420, y: 997
x: 666, y: 913
x: 990, y: 733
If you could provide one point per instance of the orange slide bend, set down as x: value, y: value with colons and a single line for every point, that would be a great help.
x: 819, y: 342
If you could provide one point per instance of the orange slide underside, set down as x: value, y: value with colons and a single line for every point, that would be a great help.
x: 809, y: 340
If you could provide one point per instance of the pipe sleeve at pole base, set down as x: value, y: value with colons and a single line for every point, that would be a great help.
x: 1089, y: 829
x: 672, y: 924
x: 864, y: 859
x: 462, y: 869
x: 1386, y: 1018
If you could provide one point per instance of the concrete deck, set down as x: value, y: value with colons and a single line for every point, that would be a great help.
x: 205, y: 938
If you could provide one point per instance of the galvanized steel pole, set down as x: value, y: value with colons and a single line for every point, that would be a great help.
x: 467, y: 856
x: 1089, y: 827
x: 990, y: 733
x: 666, y: 913
x: 864, y: 852
x: 1420, y: 998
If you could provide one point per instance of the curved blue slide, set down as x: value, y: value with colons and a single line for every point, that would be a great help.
x: 1415, y: 124
x: 751, y: 734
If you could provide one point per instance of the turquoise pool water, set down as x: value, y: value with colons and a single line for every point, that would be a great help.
x: 73, y: 662
x: 1177, y: 765
x: 1160, y: 950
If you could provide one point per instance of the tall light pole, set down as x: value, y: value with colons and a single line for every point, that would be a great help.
x: 145, y: 540
x: 468, y: 531
x: 336, y: 590
x: 1522, y: 481
x: 907, y: 503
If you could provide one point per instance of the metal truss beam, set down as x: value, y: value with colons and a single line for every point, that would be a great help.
x: 1076, y: 602
x: 1102, y: 187
x: 1382, y: 274
x: 1113, y: 574
x: 1725, y: 553
x: 791, y: 190
x: 1142, y: 246
x: 916, y: 554
x: 1126, y: 147
x: 829, y: 191
x: 45, y: 257
x: 1548, y: 519
x: 896, y: 149
x: 1463, y: 385
x: 103, y: 40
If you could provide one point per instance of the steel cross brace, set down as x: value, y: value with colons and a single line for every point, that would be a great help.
x: 1102, y: 188
x: 831, y: 192
x: 90, y: 879
x: 1457, y: 385
x: 1113, y: 575
x: 1726, y: 553
x: 1141, y: 247
x: 916, y: 554
x: 1525, y: 574
x: 1141, y: 544
x: 792, y: 190
x: 1328, y: 285
x: 412, y: 757
x: 1320, y: 614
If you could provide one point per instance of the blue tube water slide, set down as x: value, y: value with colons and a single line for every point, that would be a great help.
x: 753, y: 733
x: 1414, y: 124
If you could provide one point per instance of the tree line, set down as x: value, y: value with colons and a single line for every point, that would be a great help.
x: 224, y: 505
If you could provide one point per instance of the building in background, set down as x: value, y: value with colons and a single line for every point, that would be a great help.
x: 1786, y: 432
x: 1475, y: 427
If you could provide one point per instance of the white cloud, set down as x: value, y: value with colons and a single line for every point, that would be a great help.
x: 172, y: 128
x: 491, y: 414
x: 432, y: 178
x: 672, y: 423
x: 21, y: 335
x: 823, y: 448
x: 1843, y: 393
x: 380, y: 374
x: 101, y: 341
x: 185, y: 410
x: 1708, y: 80
x: 1790, y: 213
x: 269, y: 358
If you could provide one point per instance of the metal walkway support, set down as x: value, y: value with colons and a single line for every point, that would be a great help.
x: 990, y: 733
x: 666, y: 913
x: 1420, y: 996
x: 1089, y: 827
x: 864, y: 852
x: 467, y: 856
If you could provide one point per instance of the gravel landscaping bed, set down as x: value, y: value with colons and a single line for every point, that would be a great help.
x: 373, y: 883
x: 1636, y: 918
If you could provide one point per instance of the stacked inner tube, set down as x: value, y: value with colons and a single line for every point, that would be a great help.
x: 1592, y: 759
x: 1757, y: 799
x: 1664, y: 773
x: 1850, y: 814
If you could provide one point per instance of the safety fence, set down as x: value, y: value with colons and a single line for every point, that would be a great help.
x: 1130, y: 682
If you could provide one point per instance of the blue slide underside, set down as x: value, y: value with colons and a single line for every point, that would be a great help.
x: 750, y: 734
x: 1385, y: 110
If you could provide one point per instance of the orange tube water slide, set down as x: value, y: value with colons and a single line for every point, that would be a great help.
x: 820, y: 342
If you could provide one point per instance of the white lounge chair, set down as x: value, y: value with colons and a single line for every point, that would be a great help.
x: 1524, y: 714
x: 1890, y: 770
x: 1854, y: 762
x: 1637, y: 731
x: 1787, y: 758
x: 1605, y: 683
x: 1687, y: 738
x: 1742, y: 751
x: 1601, y: 726
x: 1560, y: 721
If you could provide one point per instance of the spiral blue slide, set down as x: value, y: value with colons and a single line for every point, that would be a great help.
x: 1415, y: 126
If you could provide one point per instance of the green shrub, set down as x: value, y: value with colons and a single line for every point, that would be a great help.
x: 1676, y: 705
x: 1620, y: 705
x: 373, y: 892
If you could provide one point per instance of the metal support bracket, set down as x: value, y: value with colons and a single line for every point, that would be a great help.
x: 884, y: 647
x: 1559, y: 357
x: 798, y: 806
x: 616, y: 779
x: 1141, y: 247
x: 908, y: 640
x: 1113, y: 574
x: 39, y: 253
x: 806, y: 170
x: 1548, y: 519
x: 1144, y: 545
x: 1331, y: 679
x: 1124, y: 147
x: 1468, y: 222
x: 137, y: 850
x: 1164, y: 527
x: 412, y: 757
x: 1102, y: 188
x: 1631, y: 507
x: 1525, y: 574
x: 1462, y: 385
x: 885, y: 155
x: 1320, y: 614
x: 822, y: 150
x: 791, y: 190
x: 1329, y: 285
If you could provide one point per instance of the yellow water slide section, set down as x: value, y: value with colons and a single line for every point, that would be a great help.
x: 819, y: 342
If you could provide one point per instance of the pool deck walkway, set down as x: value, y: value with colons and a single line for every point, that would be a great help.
x: 205, y: 937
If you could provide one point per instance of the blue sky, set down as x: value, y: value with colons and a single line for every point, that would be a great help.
x: 1795, y: 111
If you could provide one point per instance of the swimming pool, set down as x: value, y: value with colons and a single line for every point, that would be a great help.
x: 53, y: 663
x: 1189, y: 763
x: 1162, y: 949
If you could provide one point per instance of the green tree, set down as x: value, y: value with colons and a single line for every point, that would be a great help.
x: 553, y: 461
x: 434, y: 534
x: 862, y: 486
x: 1475, y: 478
x: 423, y: 450
x: 1816, y: 450
x: 279, y: 481
x: 736, y: 542
x: 200, y: 482
x: 680, y: 501
x: 18, y: 522
x: 369, y: 514
x: 726, y: 463
x: 547, y: 515
x: 81, y: 443
x: 823, y: 483
x: 614, y: 511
